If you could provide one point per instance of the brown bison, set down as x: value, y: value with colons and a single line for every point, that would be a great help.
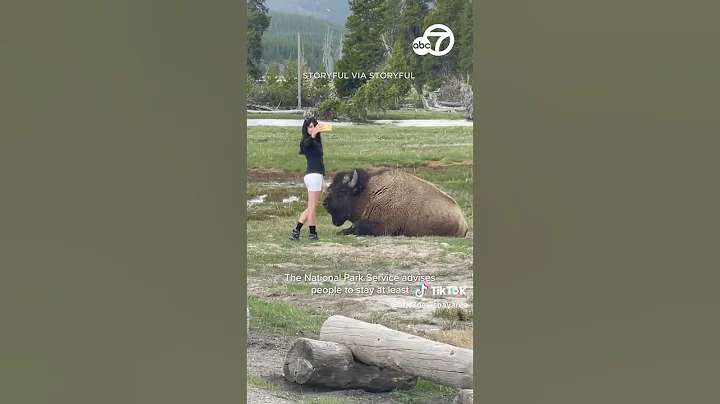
x: 388, y: 202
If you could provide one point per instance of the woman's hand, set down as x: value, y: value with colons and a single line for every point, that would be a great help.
x: 313, y: 131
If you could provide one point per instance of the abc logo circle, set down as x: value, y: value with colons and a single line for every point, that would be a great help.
x: 421, y: 45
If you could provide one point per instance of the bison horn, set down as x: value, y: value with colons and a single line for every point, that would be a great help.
x: 354, y: 180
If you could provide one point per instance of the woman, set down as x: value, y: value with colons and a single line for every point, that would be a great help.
x: 311, y: 147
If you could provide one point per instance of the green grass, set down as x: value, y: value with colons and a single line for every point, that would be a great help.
x: 454, y: 314
x: 390, y: 115
x: 282, y: 318
x: 442, y: 156
x: 424, y: 392
x: 263, y: 383
x: 366, y: 146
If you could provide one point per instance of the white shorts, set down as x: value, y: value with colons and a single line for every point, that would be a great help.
x: 314, y: 182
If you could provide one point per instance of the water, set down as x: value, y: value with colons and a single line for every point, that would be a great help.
x: 417, y: 123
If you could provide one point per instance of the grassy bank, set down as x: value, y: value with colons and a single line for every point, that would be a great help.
x: 389, y: 115
x: 276, y: 197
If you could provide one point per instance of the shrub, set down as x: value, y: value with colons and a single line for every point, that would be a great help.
x: 354, y: 111
x: 331, y: 108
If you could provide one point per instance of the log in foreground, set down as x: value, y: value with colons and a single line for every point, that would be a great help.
x: 328, y: 364
x: 464, y: 397
x: 377, y: 345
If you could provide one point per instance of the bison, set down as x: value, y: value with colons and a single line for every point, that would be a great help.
x: 388, y: 202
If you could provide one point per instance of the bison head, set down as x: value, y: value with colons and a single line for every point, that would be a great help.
x: 342, y: 196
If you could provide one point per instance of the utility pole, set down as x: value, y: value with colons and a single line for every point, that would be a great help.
x: 299, y: 76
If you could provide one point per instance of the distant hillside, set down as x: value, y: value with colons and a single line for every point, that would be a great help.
x: 280, y: 40
x: 335, y: 11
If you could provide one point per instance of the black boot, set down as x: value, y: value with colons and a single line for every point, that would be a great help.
x: 295, y: 235
x: 313, y: 234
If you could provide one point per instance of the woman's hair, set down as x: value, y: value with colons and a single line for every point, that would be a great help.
x: 306, y: 135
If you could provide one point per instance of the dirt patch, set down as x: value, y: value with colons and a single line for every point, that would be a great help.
x: 259, y: 174
x: 261, y: 396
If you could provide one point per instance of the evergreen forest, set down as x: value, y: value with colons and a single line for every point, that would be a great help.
x: 377, y: 37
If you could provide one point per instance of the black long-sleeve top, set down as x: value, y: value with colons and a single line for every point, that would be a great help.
x: 313, y: 151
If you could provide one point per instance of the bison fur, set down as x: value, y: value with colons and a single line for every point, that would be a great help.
x: 389, y: 202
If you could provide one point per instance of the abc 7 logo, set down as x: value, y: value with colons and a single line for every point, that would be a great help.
x: 422, y: 46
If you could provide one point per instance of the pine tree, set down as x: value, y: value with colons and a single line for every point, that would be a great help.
x: 322, y: 81
x: 272, y: 86
x: 289, y: 84
x: 449, y: 13
x: 250, y: 88
x: 318, y: 88
x: 363, y: 49
x: 398, y: 87
x: 465, y: 41
x: 383, y: 93
x: 411, y: 26
x: 258, y: 23
x: 412, y: 20
x: 392, y: 21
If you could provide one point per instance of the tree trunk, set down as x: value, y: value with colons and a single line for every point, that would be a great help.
x: 464, y: 397
x: 328, y: 364
x: 376, y: 345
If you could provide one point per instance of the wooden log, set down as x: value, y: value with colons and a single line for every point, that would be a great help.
x: 374, y: 344
x: 328, y: 364
x: 464, y: 396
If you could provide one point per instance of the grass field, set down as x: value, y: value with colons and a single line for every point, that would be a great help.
x: 282, y: 310
x: 390, y: 115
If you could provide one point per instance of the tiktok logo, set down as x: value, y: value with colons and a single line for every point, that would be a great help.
x: 420, y: 292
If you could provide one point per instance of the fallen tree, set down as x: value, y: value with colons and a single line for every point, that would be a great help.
x: 449, y: 104
x: 436, y: 106
x: 329, y: 364
x: 256, y: 107
x: 455, y: 94
x: 374, y: 344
